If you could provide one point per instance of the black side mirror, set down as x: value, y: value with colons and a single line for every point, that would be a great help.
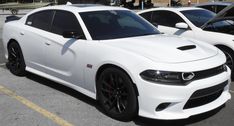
x: 72, y: 34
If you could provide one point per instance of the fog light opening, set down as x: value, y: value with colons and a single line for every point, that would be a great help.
x: 162, y: 106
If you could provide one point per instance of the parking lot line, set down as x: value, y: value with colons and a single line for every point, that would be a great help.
x: 33, y: 106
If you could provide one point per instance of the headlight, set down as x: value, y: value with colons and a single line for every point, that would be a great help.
x: 166, y: 77
x: 180, y: 78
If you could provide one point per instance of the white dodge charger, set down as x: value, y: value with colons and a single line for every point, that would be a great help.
x: 116, y: 57
x: 198, y: 24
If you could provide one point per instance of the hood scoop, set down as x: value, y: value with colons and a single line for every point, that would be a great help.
x: 188, y: 47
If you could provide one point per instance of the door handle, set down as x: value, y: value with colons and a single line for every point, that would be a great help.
x: 47, y: 43
x: 21, y: 33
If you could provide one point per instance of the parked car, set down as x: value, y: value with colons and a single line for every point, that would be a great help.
x: 116, y: 57
x: 215, y: 7
x: 197, y: 23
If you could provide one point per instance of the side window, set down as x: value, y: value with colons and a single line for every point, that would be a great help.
x: 223, y: 26
x: 219, y: 8
x: 65, y: 21
x: 166, y: 18
x: 209, y: 7
x: 147, y: 16
x: 41, y: 20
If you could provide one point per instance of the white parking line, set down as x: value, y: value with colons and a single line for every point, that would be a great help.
x: 35, y: 107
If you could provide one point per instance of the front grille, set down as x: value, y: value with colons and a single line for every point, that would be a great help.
x: 205, y: 96
x: 210, y: 72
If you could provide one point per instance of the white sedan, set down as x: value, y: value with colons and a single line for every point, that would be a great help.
x: 197, y: 23
x: 116, y: 57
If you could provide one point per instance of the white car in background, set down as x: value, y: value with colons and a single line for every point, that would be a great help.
x: 116, y: 57
x: 197, y: 23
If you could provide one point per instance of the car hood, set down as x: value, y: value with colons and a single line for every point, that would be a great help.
x: 162, y: 48
x: 226, y: 13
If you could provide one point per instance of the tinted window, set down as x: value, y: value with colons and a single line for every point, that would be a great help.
x: 116, y: 24
x: 166, y: 18
x: 41, y: 20
x: 219, y: 8
x: 209, y: 7
x: 223, y: 26
x: 198, y: 17
x: 147, y: 16
x: 65, y: 21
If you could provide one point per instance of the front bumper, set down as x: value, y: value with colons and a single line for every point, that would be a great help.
x: 151, y: 95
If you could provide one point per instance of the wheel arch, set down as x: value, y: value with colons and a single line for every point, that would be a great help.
x: 224, y: 46
x: 7, y: 46
x: 10, y: 41
x: 108, y: 65
x: 228, y: 49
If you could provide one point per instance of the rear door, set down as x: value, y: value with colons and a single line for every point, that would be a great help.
x: 34, y: 38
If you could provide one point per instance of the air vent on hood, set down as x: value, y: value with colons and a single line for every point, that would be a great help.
x: 188, y: 47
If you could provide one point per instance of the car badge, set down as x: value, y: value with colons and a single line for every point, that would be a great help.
x: 188, y: 76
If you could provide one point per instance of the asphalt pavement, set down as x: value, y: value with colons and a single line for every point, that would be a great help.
x: 36, y: 101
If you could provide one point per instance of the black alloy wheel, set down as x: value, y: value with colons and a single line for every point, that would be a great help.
x: 116, y: 94
x: 16, y: 62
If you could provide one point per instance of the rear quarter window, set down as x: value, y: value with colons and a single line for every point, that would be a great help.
x: 147, y: 16
x: 41, y: 20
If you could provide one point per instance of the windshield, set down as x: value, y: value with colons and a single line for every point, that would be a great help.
x: 198, y: 17
x: 115, y: 24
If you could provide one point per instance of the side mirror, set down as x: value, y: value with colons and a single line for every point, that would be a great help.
x: 181, y: 25
x: 72, y: 34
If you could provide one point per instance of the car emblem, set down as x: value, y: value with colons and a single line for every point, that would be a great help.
x: 188, y: 76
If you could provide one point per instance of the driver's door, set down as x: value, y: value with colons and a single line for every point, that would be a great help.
x: 64, y: 56
x: 167, y: 21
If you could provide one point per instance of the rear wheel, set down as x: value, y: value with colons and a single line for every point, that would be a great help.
x: 116, y: 94
x: 16, y: 62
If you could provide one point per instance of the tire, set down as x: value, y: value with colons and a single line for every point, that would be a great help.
x: 14, y: 11
x: 16, y: 62
x: 230, y: 59
x: 116, y: 94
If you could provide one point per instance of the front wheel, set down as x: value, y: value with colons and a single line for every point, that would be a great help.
x: 16, y: 62
x: 229, y: 59
x: 116, y: 94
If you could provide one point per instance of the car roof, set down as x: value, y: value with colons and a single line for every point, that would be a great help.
x: 186, y: 8
x: 175, y: 9
x: 82, y: 7
x: 215, y: 3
